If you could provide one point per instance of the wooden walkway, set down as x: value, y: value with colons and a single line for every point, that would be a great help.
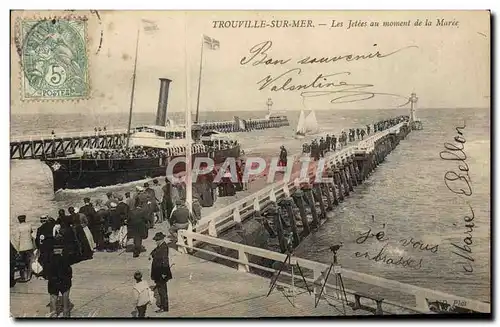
x: 102, y: 287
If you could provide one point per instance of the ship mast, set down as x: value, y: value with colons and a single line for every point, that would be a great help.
x: 199, y: 83
x: 133, y: 90
x: 189, y: 183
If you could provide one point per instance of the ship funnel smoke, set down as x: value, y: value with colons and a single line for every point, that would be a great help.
x: 161, y: 113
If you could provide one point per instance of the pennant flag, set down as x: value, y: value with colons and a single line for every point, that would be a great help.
x: 212, y: 44
x: 149, y: 26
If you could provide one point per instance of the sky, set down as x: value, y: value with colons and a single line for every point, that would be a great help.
x: 447, y: 67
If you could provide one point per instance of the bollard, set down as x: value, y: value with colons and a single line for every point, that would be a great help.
x: 317, y: 188
x: 329, y: 201
x: 338, y: 181
x: 299, y: 202
x: 288, y: 204
x: 308, y: 192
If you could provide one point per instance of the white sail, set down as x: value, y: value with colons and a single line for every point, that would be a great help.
x: 301, y: 125
x: 311, y: 124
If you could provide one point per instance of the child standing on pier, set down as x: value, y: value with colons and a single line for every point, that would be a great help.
x: 143, y: 295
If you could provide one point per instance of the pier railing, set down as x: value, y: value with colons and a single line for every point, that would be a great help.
x: 418, y: 296
x: 240, y: 210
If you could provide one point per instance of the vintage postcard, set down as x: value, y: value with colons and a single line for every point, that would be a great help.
x: 250, y: 163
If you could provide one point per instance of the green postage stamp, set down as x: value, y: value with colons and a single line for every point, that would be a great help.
x: 54, y: 59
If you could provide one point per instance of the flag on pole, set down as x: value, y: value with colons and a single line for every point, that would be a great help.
x: 149, y: 25
x: 212, y: 43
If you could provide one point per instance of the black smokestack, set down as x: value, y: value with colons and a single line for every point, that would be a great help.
x: 161, y: 113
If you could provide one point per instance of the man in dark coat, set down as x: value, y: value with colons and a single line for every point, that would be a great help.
x: 45, y: 241
x: 167, y: 203
x: 123, y: 209
x: 142, y: 200
x: 152, y: 202
x: 322, y: 147
x: 13, y: 264
x: 283, y: 156
x: 328, y: 142
x: 58, y: 272
x: 160, y: 270
x: 100, y: 226
x: 137, y: 228
x: 129, y: 200
x: 90, y: 215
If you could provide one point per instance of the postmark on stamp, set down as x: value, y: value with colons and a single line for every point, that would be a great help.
x: 54, y: 59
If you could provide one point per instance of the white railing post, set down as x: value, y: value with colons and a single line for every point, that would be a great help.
x: 236, y: 215
x: 256, y: 205
x: 286, y: 190
x: 181, y: 245
x: 189, y: 238
x: 212, y: 231
x: 243, y: 261
x: 272, y: 195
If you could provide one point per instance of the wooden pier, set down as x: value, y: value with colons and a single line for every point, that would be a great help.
x: 102, y: 287
x: 349, y: 168
x: 52, y: 146
x: 203, y: 288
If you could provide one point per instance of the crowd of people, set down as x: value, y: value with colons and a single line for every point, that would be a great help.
x: 74, y: 235
x: 139, y: 152
x: 318, y: 147
x: 125, y: 153
x: 109, y: 225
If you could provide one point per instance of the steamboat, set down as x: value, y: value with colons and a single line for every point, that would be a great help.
x: 148, y: 152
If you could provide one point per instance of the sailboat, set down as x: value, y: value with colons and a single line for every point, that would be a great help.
x: 306, y: 125
x: 301, y: 126
x: 311, y: 123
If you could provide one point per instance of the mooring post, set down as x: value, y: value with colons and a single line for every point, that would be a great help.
x: 357, y: 163
x: 332, y: 188
x: 352, y: 172
x: 317, y: 188
x: 312, y: 204
x: 324, y: 187
x: 344, y: 181
x: 298, y: 197
x: 348, y: 177
x: 288, y: 204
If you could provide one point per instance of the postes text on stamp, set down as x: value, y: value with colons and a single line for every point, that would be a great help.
x: 54, y: 59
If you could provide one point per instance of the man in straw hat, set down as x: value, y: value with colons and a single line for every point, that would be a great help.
x: 160, y: 269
